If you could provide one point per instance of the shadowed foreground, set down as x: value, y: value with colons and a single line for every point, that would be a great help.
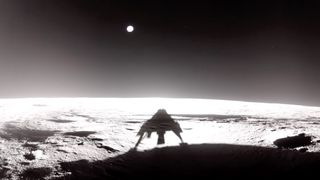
x: 203, y: 160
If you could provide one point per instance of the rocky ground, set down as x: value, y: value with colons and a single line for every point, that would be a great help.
x: 39, y: 135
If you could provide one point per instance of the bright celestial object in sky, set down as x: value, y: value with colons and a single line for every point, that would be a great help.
x: 130, y: 28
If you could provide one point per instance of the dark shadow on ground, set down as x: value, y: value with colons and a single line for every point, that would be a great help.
x: 35, y: 173
x: 293, y: 141
x: 3, y: 172
x: 13, y: 132
x: 80, y: 133
x: 199, y: 161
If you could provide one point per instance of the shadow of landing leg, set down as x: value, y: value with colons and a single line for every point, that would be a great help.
x: 160, y: 138
x: 138, y: 142
x: 179, y: 136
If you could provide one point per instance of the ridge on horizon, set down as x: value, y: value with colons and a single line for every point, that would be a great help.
x: 162, y: 98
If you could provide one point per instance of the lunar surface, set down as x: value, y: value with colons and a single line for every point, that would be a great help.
x: 40, y: 133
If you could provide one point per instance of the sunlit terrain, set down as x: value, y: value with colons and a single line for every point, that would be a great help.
x: 200, y: 117
x: 174, y: 105
x: 68, y: 129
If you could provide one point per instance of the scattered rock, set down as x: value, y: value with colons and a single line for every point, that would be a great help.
x: 51, y: 141
x: 61, y: 150
x: 293, y: 141
x: 29, y: 156
x: 37, y: 154
x: 81, y: 143
x: 64, y: 149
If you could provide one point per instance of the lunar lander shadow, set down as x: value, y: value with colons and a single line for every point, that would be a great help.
x: 161, y: 122
x: 198, y: 161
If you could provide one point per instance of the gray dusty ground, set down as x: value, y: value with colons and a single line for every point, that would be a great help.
x: 41, y: 133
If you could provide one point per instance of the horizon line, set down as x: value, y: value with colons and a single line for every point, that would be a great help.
x: 157, y: 97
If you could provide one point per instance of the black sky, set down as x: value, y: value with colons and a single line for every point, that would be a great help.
x: 266, y: 51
